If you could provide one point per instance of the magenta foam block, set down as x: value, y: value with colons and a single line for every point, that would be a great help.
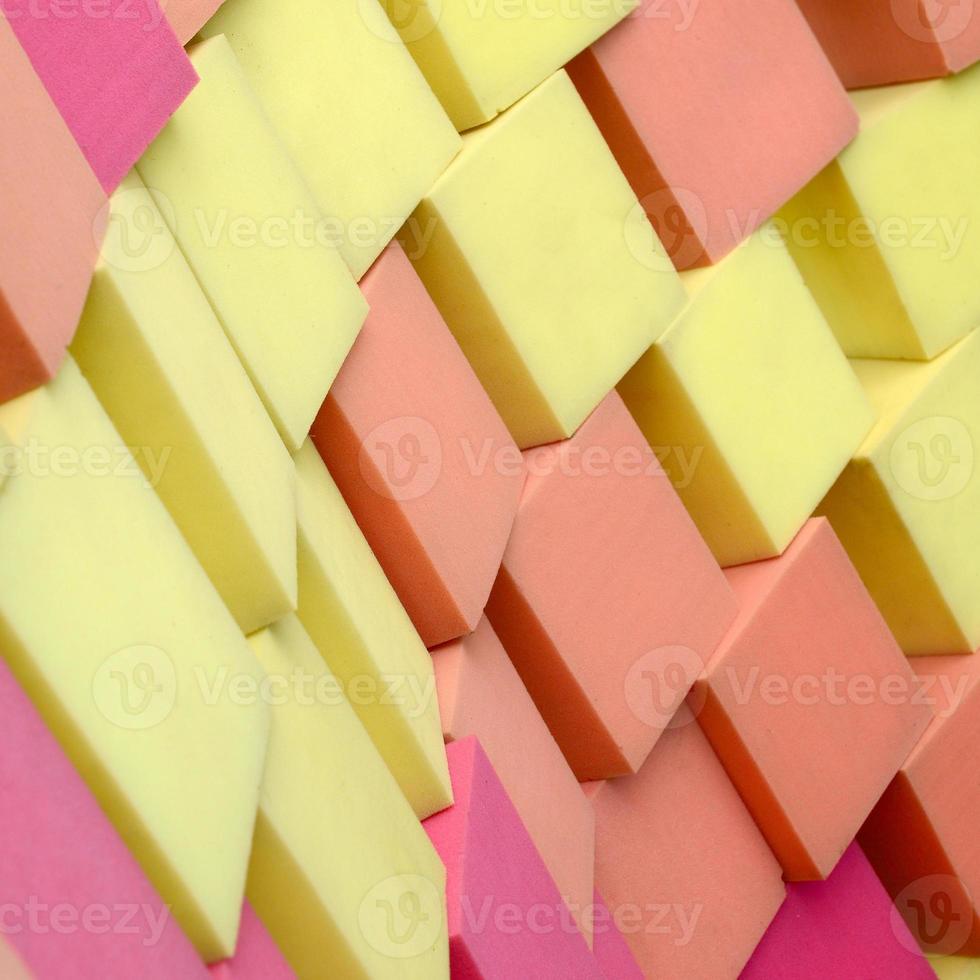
x: 506, y: 916
x: 257, y: 957
x: 844, y: 928
x: 114, y: 69
x: 75, y: 904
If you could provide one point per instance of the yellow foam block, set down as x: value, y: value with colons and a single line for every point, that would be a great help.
x: 905, y: 507
x: 248, y: 225
x: 112, y: 627
x: 543, y: 264
x: 150, y: 346
x: 481, y: 58
x: 888, y: 235
x: 338, y: 850
x: 749, y: 402
x: 356, y: 621
x: 351, y: 107
x: 955, y: 967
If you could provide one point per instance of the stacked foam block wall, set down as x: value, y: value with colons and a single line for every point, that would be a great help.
x: 489, y: 491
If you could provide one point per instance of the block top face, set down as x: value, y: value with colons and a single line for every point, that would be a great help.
x: 711, y: 140
x: 808, y: 671
x: 547, y: 224
x: 351, y: 107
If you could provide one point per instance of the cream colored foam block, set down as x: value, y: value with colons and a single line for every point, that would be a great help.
x: 151, y: 347
x: 113, y: 629
x: 888, y: 236
x: 534, y: 245
x: 356, y: 621
x: 480, y: 58
x: 248, y: 225
x: 905, y: 507
x: 337, y: 847
x: 751, y: 401
x: 352, y: 108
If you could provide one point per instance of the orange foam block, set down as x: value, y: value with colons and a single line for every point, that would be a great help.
x: 420, y: 455
x: 880, y: 42
x: 808, y: 701
x: 608, y: 601
x: 922, y: 836
x: 75, y: 903
x: 187, y: 17
x: 609, y: 946
x: 114, y: 69
x: 257, y: 957
x: 681, y: 863
x: 692, y: 98
x: 52, y: 218
x: 481, y: 694
x: 506, y: 917
x: 845, y: 928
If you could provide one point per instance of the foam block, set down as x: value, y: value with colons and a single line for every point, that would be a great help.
x: 116, y: 74
x: 354, y: 617
x: 506, y: 917
x: 611, y: 951
x: 903, y: 508
x: 608, y: 602
x: 11, y: 963
x: 370, y: 142
x: 257, y: 957
x: 339, y: 855
x: 112, y: 627
x: 247, y: 223
x: 46, y: 253
x: 480, y: 60
x: 702, y: 161
x: 481, y: 694
x: 888, y: 41
x: 187, y: 17
x: 886, y: 236
x: 674, y: 844
x: 152, y: 349
x: 921, y: 837
x: 421, y: 455
x: 536, y: 329
x: 76, y: 903
x: 843, y: 927
x: 955, y: 967
x: 785, y: 724
x: 755, y: 398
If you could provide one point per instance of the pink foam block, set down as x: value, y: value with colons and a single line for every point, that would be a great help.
x: 52, y: 217
x: 880, y: 42
x: 187, y: 17
x: 922, y: 836
x: 114, y: 69
x: 257, y: 957
x: 420, y: 454
x: 808, y: 672
x: 686, y: 874
x: 845, y: 927
x: 695, y: 98
x: 481, y: 694
x: 75, y: 903
x: 611, y: 951
x: 608, y: 601
x: 506, y: 916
